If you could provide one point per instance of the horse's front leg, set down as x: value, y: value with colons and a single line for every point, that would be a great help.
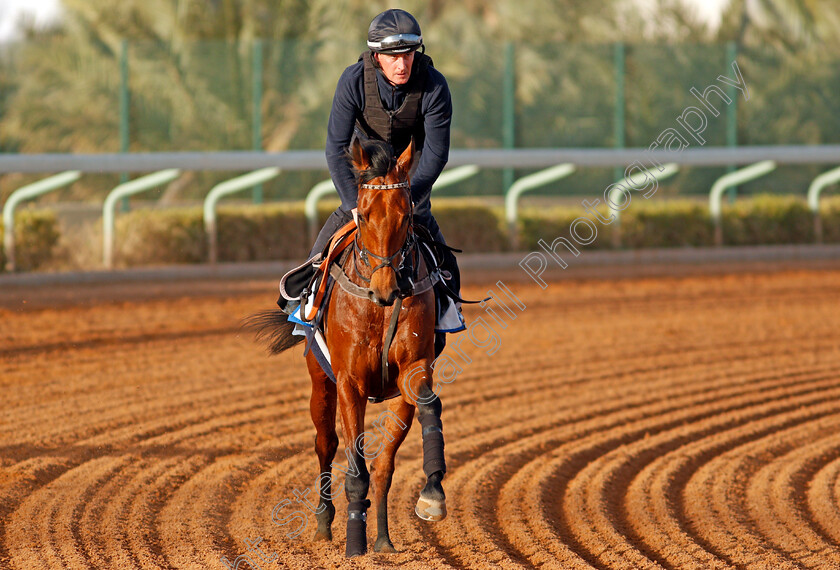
x: 392, y: 426
x: 352, y: 407
x: 417, y: 388
x: 322, y: 404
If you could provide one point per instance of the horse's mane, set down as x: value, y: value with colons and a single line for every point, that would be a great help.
x: 381, y: 157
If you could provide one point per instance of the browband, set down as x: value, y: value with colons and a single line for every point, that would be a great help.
x: 386, y: 186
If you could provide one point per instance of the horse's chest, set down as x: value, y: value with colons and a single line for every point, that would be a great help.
x: 361, y: 340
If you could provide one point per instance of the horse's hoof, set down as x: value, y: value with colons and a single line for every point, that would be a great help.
x: 322, y: 536
x: 430, y: 509
x: 384, y: 545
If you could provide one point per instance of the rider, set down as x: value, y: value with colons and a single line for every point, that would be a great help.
x: 394, y: 94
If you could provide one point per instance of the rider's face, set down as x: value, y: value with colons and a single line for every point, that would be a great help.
x: 396, y: 67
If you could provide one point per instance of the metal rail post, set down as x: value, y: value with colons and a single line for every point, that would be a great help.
x: 525, y: 184
x: 125, y: 190
x: 509, y: 109
x: 27, y: 193
x: 125, y: 111
x: 668, y: 170
x: 256, y: 104
x: 733, y: 179
x: 731, y: 113
x: 820, y: 182
x: 223, y: 189
x: 619, y: 60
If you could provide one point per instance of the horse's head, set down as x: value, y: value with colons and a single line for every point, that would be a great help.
x: 384, y: 213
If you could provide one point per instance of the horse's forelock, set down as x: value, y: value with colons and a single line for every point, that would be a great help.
x: 382, y: 161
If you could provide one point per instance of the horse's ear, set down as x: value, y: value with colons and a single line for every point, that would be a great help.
x: 406, y: 159
x: 358, y: 157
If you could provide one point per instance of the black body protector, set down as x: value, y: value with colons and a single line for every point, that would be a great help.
x: 398, y: 126
x: 397, y: 129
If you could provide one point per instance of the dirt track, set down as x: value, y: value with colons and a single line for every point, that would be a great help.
x: 676, y: 422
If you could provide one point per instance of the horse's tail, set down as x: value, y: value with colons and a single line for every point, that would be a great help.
x: 273, y: 329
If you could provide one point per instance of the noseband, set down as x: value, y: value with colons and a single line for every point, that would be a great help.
x: 385, y: 261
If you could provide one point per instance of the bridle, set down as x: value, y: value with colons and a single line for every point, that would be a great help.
x: 365, y: 254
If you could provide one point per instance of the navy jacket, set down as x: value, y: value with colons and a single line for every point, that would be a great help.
x: 348, y: 104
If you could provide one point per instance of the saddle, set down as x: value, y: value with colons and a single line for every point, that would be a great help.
x: 310, y: 285
x: 305, y: 282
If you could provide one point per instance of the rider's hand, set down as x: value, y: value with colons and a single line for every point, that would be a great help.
x: 355, y: 215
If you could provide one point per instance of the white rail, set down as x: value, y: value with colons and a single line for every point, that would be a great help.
x: 27, y: 193
x: 223, y: 189
x: 483, y: 158
x: 122, y: 191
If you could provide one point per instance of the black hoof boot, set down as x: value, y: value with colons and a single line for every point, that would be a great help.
x: 356, y: 529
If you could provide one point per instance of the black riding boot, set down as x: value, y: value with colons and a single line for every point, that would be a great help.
x: 449, y: 264
x: 294, y: 286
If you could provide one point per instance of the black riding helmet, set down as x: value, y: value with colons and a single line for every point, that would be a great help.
x: 394, y: 31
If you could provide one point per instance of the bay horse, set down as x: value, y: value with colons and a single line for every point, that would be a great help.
x: 356, y: 327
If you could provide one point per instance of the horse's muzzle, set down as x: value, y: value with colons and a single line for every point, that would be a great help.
x: 383, y: 302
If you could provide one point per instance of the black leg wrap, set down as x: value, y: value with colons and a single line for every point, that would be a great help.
x: 433, y: 457
x: 357, y: 528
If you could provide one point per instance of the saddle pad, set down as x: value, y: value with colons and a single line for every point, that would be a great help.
x: 449, y: 317
x: 319, y: 347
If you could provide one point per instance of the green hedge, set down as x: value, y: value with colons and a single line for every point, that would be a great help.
x: 269, y: 232
x: 471, y: 226
x: 36, y: 236
x: 666, y: 224
x: 764, y: 219
x: 768, y: 220
x: 549, y: 223
x: 830, y: 210
x: 246, y: 233
x: 251, y: 233
x: 278, y: 231
x: 643, y: 224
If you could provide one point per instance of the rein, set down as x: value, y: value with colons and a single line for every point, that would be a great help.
x: 387, y: 261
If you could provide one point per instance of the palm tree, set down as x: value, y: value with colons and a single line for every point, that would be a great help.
x: 789, y: 23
